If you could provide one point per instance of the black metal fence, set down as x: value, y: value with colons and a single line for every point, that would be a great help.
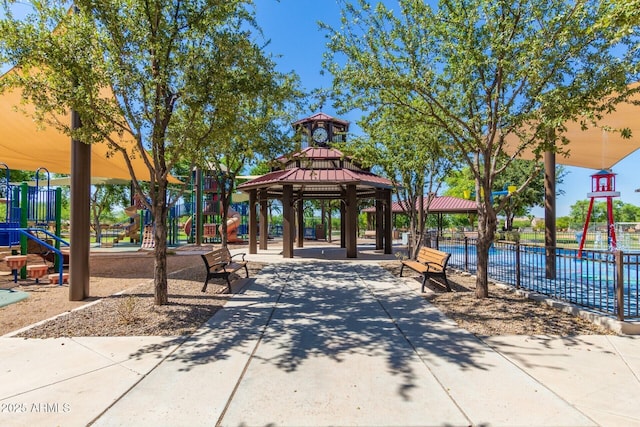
x: 604, y: 281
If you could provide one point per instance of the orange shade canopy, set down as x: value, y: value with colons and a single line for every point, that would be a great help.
x: 594, y: 147
x: 27, y: 145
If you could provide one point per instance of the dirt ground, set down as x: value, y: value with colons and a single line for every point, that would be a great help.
x: 121, y: 303
x: 505, y: 312
x: 121, y: 289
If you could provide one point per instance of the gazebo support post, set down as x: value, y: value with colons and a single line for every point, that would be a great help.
x: 253, y: 223
x: 379, y: 222
x: 264, y: 220
x: 388, y: 214
x: 329, y: 226
x: 352, y: 222
x: 343, y: 235
x: 323, y: 222
x: 300, y: 211
x: 287, y: 221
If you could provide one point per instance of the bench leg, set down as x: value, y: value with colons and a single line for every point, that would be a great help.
x: 446, y: 282
x: 226, y: 276
x: 246, y: 270
x: 206, y: 282
x: 424, y: 281
x: 401, y: 268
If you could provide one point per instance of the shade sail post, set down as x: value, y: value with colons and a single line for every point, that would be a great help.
x: 550, y: 213
x: 80, y: 228
x: 196, y: 226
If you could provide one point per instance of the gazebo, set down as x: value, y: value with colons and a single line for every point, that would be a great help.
x: 439, y: 205
x: 319, y: 172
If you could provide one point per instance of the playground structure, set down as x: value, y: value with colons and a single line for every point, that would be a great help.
x: 603, y: 185
x: 140, y: 229
x: 132, y: 231
x: 210, y: 224
x: 30, y: 214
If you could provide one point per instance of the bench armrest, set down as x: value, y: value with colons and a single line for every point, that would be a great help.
x: 430, y: 263
x: 242, y: 253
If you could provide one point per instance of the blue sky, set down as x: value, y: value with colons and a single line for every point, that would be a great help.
x: 292, y: 27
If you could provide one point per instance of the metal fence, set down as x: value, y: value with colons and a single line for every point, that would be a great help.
x: 604, y: 281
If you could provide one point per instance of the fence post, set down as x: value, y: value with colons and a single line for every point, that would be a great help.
x: 466, y: 253
x: 517, y: 265
x: 618, y: 256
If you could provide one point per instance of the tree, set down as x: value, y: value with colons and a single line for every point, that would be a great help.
x: 482, y: 71
x: 103, y: 198
x: 627, y: 213
x: 133, y: 71
x: 256, y: 124
x: 461, y: 183
x: 391, y: 147
x: 622, y: 212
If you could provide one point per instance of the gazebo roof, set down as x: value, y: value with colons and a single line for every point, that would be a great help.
x: 319, y: 117
x: 314, y: 153
x: 318, y: 183
x: 444, y: 204
x: 319, y: 173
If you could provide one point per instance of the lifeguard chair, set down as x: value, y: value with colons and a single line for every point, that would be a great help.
x: 603, y: 185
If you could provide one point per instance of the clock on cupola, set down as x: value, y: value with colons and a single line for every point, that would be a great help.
x: 321, y: 130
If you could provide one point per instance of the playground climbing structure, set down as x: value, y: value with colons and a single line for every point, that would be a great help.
x: 32, y: 222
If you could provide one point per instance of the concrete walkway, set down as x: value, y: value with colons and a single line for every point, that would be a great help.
x: 322, y: 343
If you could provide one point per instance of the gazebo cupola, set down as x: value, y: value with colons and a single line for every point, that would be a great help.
x: 321, y: 130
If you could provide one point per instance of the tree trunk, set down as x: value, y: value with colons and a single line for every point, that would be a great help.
x: 98, y: 231
x: 509, y: 222
x: 160, y: 211
x: 487, y: 223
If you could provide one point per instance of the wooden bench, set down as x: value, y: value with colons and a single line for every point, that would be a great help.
x: 220, y: 263
x: 429, y: 262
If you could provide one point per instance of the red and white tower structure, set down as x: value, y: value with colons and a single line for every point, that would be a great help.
x: 603, y: 185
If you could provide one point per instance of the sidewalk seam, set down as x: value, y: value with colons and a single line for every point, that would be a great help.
x: 537, y: 381
x: 245, y: 368
x: 623, y: 359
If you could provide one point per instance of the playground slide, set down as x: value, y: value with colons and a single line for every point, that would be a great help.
x: 132, y: 231
x: 187, y: 226
x: 233, y: 222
